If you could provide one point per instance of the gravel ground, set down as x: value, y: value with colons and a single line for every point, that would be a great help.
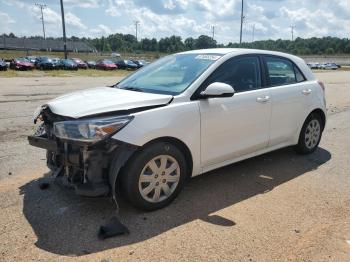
x: 276, y: 207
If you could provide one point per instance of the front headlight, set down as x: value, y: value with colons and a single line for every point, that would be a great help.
x: 90, y: 130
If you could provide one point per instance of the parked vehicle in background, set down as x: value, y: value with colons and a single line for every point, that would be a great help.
x: 331, y: 66
x: 81, y: 64
x: 183, y: 115
x: 91, y: 64
x: 46, y: 63
x: 21, y: 64
x: 115, y: 55
x: 314, y: 65
x: 3, y: 65
x: 126, y: 64
x: 140, y: 63
x: 106, y: 65
x: 39, y: 59
x: 68, y: 64
x: 57, y: 63
x: 31, y: 59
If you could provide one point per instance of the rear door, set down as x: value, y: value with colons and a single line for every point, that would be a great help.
x: 288, y: 91
x: 235, y: 126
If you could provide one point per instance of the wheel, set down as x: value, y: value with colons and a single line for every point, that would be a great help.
x: 154, y: 176
x: 310, y: 134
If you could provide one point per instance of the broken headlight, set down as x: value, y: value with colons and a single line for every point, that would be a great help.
x: 37, y: 114
x: 90, y: 130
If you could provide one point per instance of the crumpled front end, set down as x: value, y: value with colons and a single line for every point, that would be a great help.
x: 85, y: 166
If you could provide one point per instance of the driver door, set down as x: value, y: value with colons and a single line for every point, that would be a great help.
x: 239, y: 125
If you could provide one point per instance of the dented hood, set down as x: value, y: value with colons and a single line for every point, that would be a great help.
x: 103, y: 100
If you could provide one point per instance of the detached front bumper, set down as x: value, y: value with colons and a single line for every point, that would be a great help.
x: 91, y: 169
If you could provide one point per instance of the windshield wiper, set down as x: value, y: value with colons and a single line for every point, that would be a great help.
x: 131, y: 88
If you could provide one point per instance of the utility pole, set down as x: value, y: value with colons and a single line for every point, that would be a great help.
x: 42, y: 6
x: 292, y: 27
x: 64, y: 31
x: 136, y: 25
x: 242, y: 17
x: 213, y: 31
x: 253, y: 32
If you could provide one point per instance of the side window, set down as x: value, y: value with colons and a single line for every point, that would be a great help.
x: 243, y: 74
x: 298, y: 75
x: 280, y: 71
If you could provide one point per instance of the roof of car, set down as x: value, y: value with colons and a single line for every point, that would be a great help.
x: 224, y: 51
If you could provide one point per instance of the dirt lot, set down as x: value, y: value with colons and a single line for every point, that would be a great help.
x: 275, y: 207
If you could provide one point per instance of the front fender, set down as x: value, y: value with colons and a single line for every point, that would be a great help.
x: 177, y: 120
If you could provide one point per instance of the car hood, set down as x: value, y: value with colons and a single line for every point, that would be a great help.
x: 103, y: 100
x: 24, y: 63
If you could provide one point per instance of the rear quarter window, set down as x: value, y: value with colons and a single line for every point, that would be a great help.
x: 280, y: 71
x: 298, y: 75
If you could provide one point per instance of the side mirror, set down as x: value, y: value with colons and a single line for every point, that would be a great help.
x: 217, y: 89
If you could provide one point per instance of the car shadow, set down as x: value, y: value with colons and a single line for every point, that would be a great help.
x: 67, y: 224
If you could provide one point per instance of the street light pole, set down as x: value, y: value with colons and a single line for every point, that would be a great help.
x: 64, y: 31
x: 213, y: 31
x: 242, y: 17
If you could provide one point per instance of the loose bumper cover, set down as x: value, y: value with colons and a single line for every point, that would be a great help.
x: 92, y: 169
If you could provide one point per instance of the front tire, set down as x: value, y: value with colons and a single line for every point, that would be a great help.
x: 154, y: 176
x: 310, y: 134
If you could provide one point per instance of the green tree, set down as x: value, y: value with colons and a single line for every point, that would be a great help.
x: 205, y: 41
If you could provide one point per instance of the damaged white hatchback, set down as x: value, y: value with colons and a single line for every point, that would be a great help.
x: 182, y: 115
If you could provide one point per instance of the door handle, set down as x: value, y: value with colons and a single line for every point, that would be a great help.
x: 306, y: 91
x: 263, y: 99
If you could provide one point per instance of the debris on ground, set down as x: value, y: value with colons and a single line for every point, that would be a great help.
x: 44, y: 185
x: 113, y: 228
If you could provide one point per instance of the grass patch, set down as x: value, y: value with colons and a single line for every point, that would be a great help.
x: 65, y: 73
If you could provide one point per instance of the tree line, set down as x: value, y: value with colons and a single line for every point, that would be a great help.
x: 128, y: 43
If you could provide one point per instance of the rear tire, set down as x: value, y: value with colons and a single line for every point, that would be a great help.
x: 310, y: 134
x: 154, y: 176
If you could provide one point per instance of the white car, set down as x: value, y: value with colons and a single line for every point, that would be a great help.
x: 181, y: 116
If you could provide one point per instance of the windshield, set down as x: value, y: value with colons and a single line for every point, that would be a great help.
x: 68, y: 62
x: 169, y: 75
x: 22, y: 59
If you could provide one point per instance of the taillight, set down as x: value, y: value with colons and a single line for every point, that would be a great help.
x: 321, y: 85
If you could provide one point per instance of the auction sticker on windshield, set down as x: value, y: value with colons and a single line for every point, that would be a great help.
x: 208, y: 57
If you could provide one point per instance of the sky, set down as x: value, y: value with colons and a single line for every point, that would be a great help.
x: 272, y: 19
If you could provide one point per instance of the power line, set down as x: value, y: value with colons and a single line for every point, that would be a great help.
x: 64, y: 31
x: 242, y: 17
x: 42, y: 6
x: 253, y: 32
x: 136, y: 23
x: 292, y: 27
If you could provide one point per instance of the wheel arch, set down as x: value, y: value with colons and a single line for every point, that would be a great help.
x: 321, y: 113
x: 180, y: 145
x: 318, y: 111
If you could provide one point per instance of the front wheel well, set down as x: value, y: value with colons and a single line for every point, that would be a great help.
x: 180, y: 145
